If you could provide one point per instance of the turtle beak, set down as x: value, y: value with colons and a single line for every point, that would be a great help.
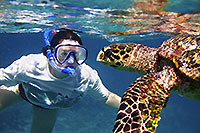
x: 100, y: 56
x: 104, y: 55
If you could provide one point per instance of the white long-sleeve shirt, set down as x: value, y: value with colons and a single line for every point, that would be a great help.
x: 43, y: 89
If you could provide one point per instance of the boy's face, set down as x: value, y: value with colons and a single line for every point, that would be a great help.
x: 69, y: 53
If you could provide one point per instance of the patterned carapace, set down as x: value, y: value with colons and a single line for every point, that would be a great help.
x: 174, y: 66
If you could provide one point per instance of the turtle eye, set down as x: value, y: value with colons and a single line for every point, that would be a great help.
x: 108, y: 52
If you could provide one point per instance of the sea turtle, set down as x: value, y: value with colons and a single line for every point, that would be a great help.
x: 174, y: 66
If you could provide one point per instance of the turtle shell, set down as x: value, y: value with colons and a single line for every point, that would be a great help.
x: 184, y: 51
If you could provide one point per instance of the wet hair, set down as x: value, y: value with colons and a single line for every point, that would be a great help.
x: 61, y: 35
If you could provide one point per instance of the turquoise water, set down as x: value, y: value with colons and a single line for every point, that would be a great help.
x: 88, y: 116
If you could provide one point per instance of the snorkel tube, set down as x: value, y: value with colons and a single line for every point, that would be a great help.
x: 68, y: 70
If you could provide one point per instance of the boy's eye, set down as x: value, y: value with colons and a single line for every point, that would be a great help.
x: 64, y: 53
x: 76, y: 54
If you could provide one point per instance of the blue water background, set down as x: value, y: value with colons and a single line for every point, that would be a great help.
x: 89, y: 116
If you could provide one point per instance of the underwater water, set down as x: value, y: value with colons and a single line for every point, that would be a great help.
x: 24, y: 36
x: 88, y: 116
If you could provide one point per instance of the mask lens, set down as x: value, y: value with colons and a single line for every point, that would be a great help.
x: 81, y: 55
x: 63, y: 53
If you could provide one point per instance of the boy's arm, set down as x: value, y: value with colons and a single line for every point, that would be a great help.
x: 113, y: 100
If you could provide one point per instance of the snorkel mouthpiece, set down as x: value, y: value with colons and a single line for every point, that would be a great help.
x: 68, y: 70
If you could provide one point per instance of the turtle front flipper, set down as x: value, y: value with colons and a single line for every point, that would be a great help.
x: 142, y: 102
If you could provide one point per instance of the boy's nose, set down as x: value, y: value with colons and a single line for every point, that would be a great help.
x: 70, y: 60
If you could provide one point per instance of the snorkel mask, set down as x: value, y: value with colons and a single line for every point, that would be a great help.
x: 64, y: 53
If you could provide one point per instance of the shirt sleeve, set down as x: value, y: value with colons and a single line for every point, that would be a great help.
x: 10, y: 76
x: 96, y: 87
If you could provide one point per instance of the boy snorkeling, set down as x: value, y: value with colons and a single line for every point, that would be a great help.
x: 57, y: 78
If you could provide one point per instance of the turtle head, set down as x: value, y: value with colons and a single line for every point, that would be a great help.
x: 130, y: 57
x: 116, y: 55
